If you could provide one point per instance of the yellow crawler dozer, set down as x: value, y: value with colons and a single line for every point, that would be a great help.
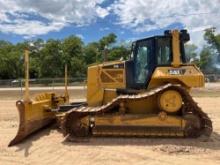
x: 147, y: 95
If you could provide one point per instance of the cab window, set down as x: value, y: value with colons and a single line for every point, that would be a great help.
x: 164, y: 55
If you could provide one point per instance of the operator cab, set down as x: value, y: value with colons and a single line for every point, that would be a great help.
x: 149, y: 53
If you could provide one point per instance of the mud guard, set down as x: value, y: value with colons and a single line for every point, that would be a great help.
x: 33, y: 115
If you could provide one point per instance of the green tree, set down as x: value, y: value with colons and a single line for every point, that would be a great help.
x: 94, y: 52
x: 11, y: 60
x: 51, y: 59
x: 213, y: 41
x: 47, y: 59
x: 205, y: 62
x: 5, y: 47
x: 91, y: 53
x: 190, y: 51
x: 35, y: 58
x: 72, y: 48
x: 118, y: 52
x: 107, y: 40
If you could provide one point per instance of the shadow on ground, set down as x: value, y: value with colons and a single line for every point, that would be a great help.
x: 27, y: 143
x: 212, y: 143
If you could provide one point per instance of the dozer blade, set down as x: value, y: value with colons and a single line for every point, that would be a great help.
x: 33, y: 116
x: 36, y: 114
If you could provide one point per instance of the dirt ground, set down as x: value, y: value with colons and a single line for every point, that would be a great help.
x: 49, y: 146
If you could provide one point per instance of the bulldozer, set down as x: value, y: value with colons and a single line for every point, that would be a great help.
x: 147, y: 95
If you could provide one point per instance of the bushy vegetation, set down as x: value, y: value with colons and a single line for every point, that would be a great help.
x: 47, y: 58
x: 208, y: 58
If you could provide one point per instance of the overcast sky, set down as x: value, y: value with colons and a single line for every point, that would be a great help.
x: 92, y: 19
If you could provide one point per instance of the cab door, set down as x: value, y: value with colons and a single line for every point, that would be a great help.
x: 143, y: 62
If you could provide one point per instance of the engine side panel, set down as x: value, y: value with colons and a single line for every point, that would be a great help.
x: 103, y: 80
x: 189, y: 76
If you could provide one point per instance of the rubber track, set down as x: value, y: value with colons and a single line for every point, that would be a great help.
x: 73, y: 116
